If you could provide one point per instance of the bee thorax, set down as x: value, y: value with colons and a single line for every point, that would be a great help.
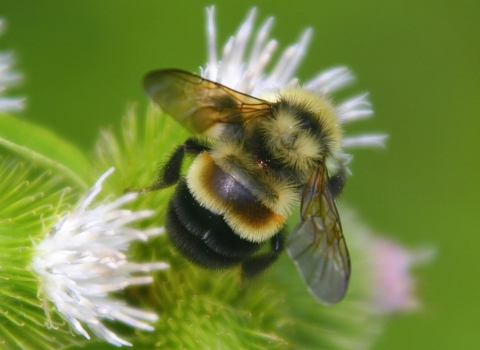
x: 302, y: 131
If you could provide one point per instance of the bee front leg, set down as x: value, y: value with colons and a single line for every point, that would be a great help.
x: 169, y: 173
x: 257, y: 264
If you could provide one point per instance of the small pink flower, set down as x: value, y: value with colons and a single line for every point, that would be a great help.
x: 395, y: 289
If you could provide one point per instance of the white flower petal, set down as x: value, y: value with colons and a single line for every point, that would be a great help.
x: 331, y: 80
x: 289, y: 62
x: 355, y: 108
x: 8, y: 79
x: 365, y: 140
x: 259, y: 44
x: 80, y: 261
x: 12, y: 104
x: 212, y: 44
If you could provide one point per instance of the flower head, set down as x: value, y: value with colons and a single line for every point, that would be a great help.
x: 8, y: 79
x: 391, y: 265
x: 80, y: 261
x: 245, y: 71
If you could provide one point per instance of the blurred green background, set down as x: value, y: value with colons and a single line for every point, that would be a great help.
x: 420, y: 60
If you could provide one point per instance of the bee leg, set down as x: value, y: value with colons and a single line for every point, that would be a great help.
x: 170, y: 172
x: 337, y: 182
x: 257, y: 264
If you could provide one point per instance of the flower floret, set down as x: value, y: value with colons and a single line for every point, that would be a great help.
x: 80, y: 261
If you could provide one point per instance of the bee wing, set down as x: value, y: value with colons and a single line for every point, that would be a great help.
x: 317, y: 245
x: 200, y: 104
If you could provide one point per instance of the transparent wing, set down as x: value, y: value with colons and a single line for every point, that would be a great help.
x: 317, y: 245
x: 200, y: 104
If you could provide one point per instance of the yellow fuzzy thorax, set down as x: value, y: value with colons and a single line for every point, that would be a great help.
x: 297, y: 147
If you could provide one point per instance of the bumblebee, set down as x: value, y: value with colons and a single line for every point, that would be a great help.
x: 254, y: 161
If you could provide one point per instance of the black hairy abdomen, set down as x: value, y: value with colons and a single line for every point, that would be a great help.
x: 203, y: 236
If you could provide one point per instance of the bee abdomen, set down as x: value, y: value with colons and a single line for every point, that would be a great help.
x: 203, y: 236
x: 224, y: 194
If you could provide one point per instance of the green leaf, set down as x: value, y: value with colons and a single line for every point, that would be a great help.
x: 43, y: 147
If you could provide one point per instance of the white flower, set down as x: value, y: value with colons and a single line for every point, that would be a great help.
x: 80, y: 261
x: 7, y: 79
x: 247, y: 75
